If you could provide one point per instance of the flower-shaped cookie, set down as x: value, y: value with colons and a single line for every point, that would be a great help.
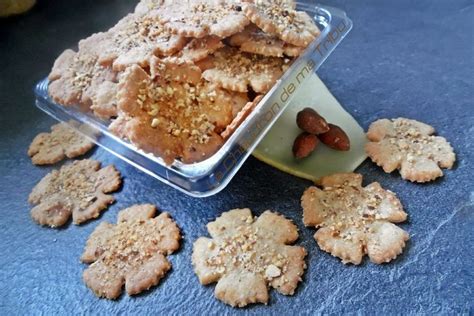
x: 355, y: 220
x: 62, y: 142
x: 78, y: 189
x: 200, y: 18
x: 132, y: 252
x: 76, y: 76
x: 279, y: 18
x: 199, y: 48
x: 135, y: 39
x: 254, y: 40
x: 174, y: 120
x: 409, y: 146
x: 246, y: 255
x: 236, y: 71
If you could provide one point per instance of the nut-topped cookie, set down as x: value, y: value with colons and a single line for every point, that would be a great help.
x: 136, y: 38
x: 254, y: 40
x: 76, y: 77
x: 131, y: 253
x: 200, y: 18
x: 173, y: 119
x: 411, y: 147
x: 236, y: 71
x: 79, y: 189
x: 200, y: 48
x: 278, y: 17
x: 247, y: 255
x: 62, y: 142
x: 353, y: 221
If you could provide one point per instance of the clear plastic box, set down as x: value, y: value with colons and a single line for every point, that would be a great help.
x: 210, y: 176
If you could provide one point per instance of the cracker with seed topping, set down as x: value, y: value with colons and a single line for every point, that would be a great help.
x: 200, y: 18
x: 240, y: 117
x: 200, y: 48
x: 172, y: 114
x: 136, y: 38
x: 353, y: 220
x: 239, y: 101
x: 104, y: 100
x: 145, y: 6
x: 175, y: 69
x: 77, y: 76
x: 78, y: 189
x: 279, y: 18
x: 246, y: 255
x: 236, y: 71
x: 182, y: 91
x: 62, y: 142
x: 409, y: 146
x: 131, y: 253
x: 254, y: 40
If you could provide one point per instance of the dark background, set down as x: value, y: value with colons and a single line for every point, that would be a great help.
x: 403, y: 58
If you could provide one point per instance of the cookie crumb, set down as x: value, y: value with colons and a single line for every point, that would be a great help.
x: 272, y: 271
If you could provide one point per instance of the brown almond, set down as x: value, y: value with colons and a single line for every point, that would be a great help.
x: 311, y: 122
x: 336, y: 138
x: 304, y: 145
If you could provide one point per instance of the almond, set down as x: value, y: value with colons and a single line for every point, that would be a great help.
x: 304, y: 145
x: 311, y: 122
x: 336, y: 138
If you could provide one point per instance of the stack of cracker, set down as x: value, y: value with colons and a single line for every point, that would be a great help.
x: 176, y: 78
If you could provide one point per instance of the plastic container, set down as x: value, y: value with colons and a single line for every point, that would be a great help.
x: 210, y: 176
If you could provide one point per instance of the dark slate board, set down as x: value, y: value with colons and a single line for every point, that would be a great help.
x: 403, y: 58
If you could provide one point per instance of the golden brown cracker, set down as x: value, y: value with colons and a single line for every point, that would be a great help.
x: 200, y: 18
x: 236, y: 71
x: 246, y: 255
x: 104, y: 100
x: 174, y: 69
x: 279, y: 18
x: 409, y: 146
x: 131, y: 253
x: 136, y: 38
x: 255, y: 41
x: 239, y: 101
x: 76, y: 77
x: 61, y: 64
x: 172, y: 119
x: 62, y: 142
x: 353, y: 220
x: 240, y: 117
x: 78, y: 189
x: 199, y: 48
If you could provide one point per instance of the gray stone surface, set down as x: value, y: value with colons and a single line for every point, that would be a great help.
x: 403, y: 58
